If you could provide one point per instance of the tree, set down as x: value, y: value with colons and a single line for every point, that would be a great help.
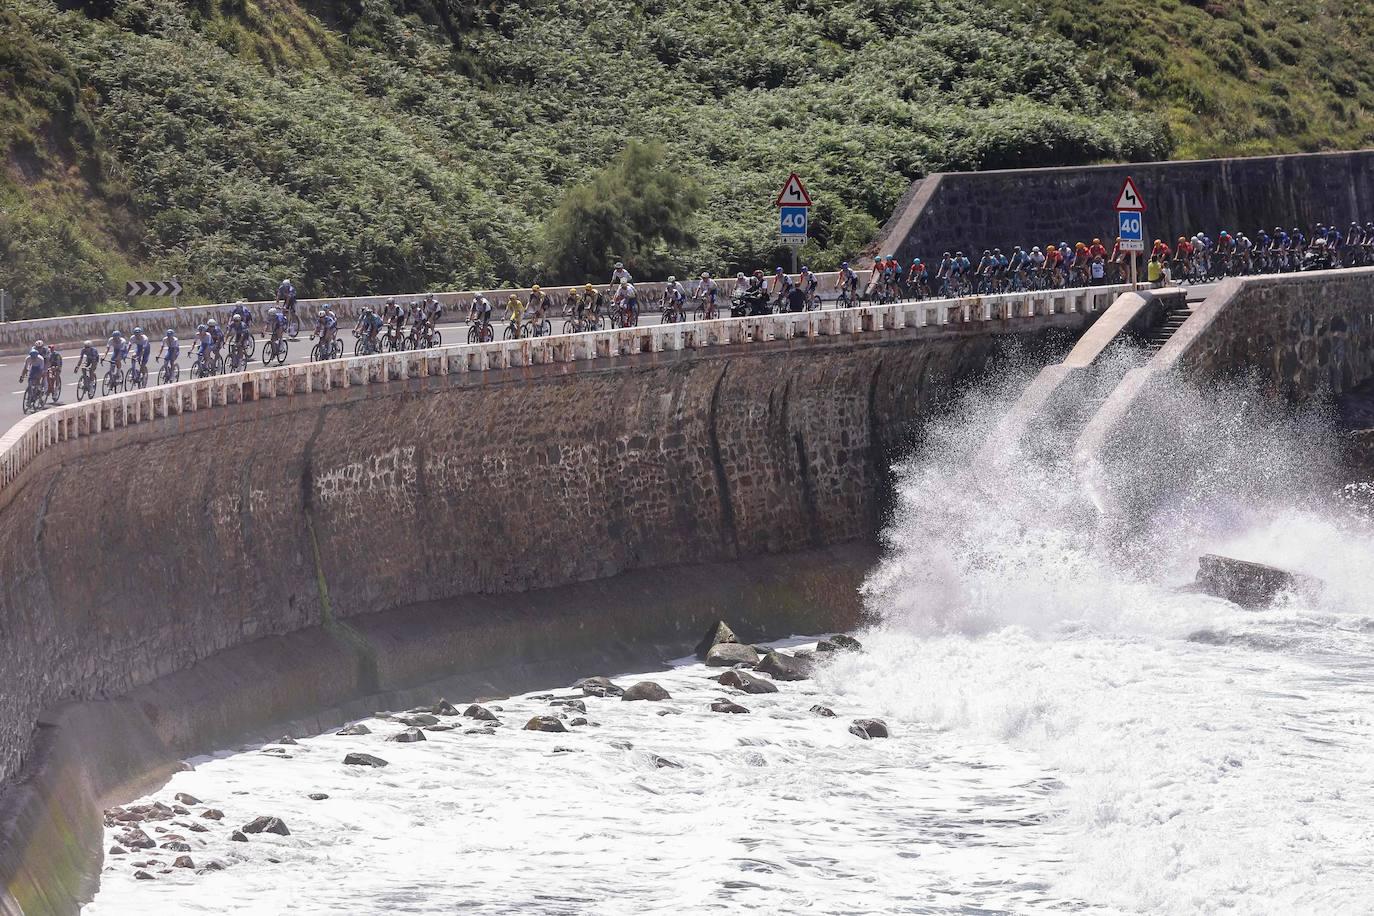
x: 632, y: 210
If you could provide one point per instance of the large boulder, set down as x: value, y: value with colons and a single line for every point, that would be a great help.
x: 1251, y: 585
x: 869, y: 728
x: 730, y: 654
x: 420, y: 719
x: 481, y: 713
x: 646, y: 690
x: 264, y: 824
x: 364, y: 760
x: 785, y: 667
x: 743, y: 680
x: 409, y: 736
x: 729, y: 706
x: 136, y: 839
x: 598, y: 687
x: 720, y: 632
x: 545, y: 724
x: 839, y: 643
x: 356, y: 728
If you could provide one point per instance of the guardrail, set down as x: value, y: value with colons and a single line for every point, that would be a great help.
x: 30, y: 437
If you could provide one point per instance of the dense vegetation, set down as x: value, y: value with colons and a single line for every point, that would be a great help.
x: 371, y: 145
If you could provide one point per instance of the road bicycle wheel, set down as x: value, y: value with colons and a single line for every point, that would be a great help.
x: 511, y: 333
x: 280, y: 356
x: 30, y: 399
x: 358, y: 347
x: 337, y: 348
x: 436, y: 339
x: 293, y: 325
x: 317, y: 353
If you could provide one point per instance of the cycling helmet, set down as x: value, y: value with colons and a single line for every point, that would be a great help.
x: 534, y: 288
x: 706, y: 275
x: 777, y: 270
x: 843, y: 264
x: 1017, y: 248
x: 167, y: 334
x: 670, y: 280
x: 624, y: 284
x: 89, y: 344
x: 619, y: 265
x: 213, y: 323
x: 138, y: 330
x: 38, y: 344
x: 740, y: 275
x: 274, y: 311
x: 1097, y: 241
x: 390, y: 300
x: 996, y: 251
x: 118, y: 333
x: 201, y: 327
x: 328, y: 307
x: 1035, y: 250
x: 589, y: 288
x: 915, y: 261
x: 986, y: 252
x: 33, y: 351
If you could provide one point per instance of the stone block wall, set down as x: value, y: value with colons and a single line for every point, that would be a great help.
x: 976, y: 210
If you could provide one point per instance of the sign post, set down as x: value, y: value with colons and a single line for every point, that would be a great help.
x: 2, y: 306
x: 793, y: 205
x: 1130, y: 217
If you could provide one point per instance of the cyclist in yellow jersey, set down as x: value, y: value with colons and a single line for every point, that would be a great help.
x: 516, y: 309
x: 539, y: 302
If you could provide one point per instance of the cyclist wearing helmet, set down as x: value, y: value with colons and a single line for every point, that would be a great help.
x: 142, y: 349
x: 538, y: 303
x: 325, y: 326
x: 846, y: 282
x: 515, y: 310
x: 33, y: 368
x: 480, y: 310
x: 675, y: 297
x: 88, y: 358
x: 242, y: 312
x: 115, y: 349
x: 276, y: 324
x: 216, y: 335
x: 393, y: 314
x: 286, y: 296
x: 706, y: 291
x: 589, y: 301
x: 434, y: 310
x: 171, y: 349
x: 204, y: 348
x: 620, y: 275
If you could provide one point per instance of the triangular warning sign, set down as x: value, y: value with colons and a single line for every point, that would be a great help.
x: 1129, y: 198
x: 793, y: 193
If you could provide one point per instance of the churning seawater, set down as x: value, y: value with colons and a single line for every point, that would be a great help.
x: 1069, y: 732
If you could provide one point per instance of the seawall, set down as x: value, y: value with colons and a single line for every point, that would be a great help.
x: 976, y: 210
x: 290, y: 508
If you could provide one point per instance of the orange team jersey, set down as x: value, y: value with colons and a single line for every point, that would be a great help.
x: 1053, y: 257
x: 1098, y: 251
x: 1184, y: 249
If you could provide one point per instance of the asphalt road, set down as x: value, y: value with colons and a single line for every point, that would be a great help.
x: 11, y: 398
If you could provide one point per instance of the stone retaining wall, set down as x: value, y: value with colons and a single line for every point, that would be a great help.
x: 976, y: 210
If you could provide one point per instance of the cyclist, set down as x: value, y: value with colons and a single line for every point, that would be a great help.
x: 707, y: 291
x: 140, y: 349
x: 242, y: 312
x: 1016, y: 268
x: 588, y: 305
x: 620, y: 275
x: 1054, y: 264
x: 171, y: 349
x: 204, y: 348
x: 1097, y: 250
x: 88, y: 359
x: 481, y: 310
x: 240, y: 332
x: 434, y: 310
x: 515, y: 312
x: 216, y: 335
x: 675, y: 298
x: 393, y: 314
x: 286, y: 295
x: 115, y: 349
x: 371, y: 325
x: 33, y: 368
x: 276, y: 324
x: 781, y: 284
x: 846, y: 283
x: 538, y: 304
x: 1035, y: 261
x: 627, y: 299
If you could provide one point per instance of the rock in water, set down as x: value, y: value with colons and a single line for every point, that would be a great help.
x: 409, y: 736
x: 364, y: 760
x: 183, y: 862
x: 720, y: 632
x: 871, y: 728
x: 1251, y: 585
x: 266, y: 825
x: 743, y: 680
x: 480, y: 712
x: 825, y: 712
x: 420, y: 719
x: 187, y: 799
x: 727, y: 706
x: 143, y: 876
x: 570, y: 704
x: 646, y: 690
x: 785, y: 667
x: 357, y: 728
x: 444, y: 708
x: 238, y: 837
x: 730, y: 654
x: 598, y: 687
x: 317, y: 796
x: 545, y: 724
x: 839, y: 643
x: 663, y: 763
x: 136, y: 839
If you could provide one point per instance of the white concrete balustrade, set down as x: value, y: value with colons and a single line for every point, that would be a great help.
x: 38, y: 432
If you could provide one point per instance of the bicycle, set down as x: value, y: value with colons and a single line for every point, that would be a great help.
x: 35, y: 393
x: 393, y: 339
x: 848, y: 297
x: 514, y: 331
x: 480, y: 331
x: 204, y: 365
x: 138, y: 375
x: 53, y: 381
x: 624, y: 315
x: 366, y: 344
x: 293, y: 321
x: 424, y: 337
x: 274, y: 351
x: 322, y: 351
x: 85, y: 383
x: 705, y: 309
x: 170, y: 373
x: 114, y: 380
x: 239, y: 354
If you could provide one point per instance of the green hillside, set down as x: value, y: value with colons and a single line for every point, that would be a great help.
x: 372, y: 145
